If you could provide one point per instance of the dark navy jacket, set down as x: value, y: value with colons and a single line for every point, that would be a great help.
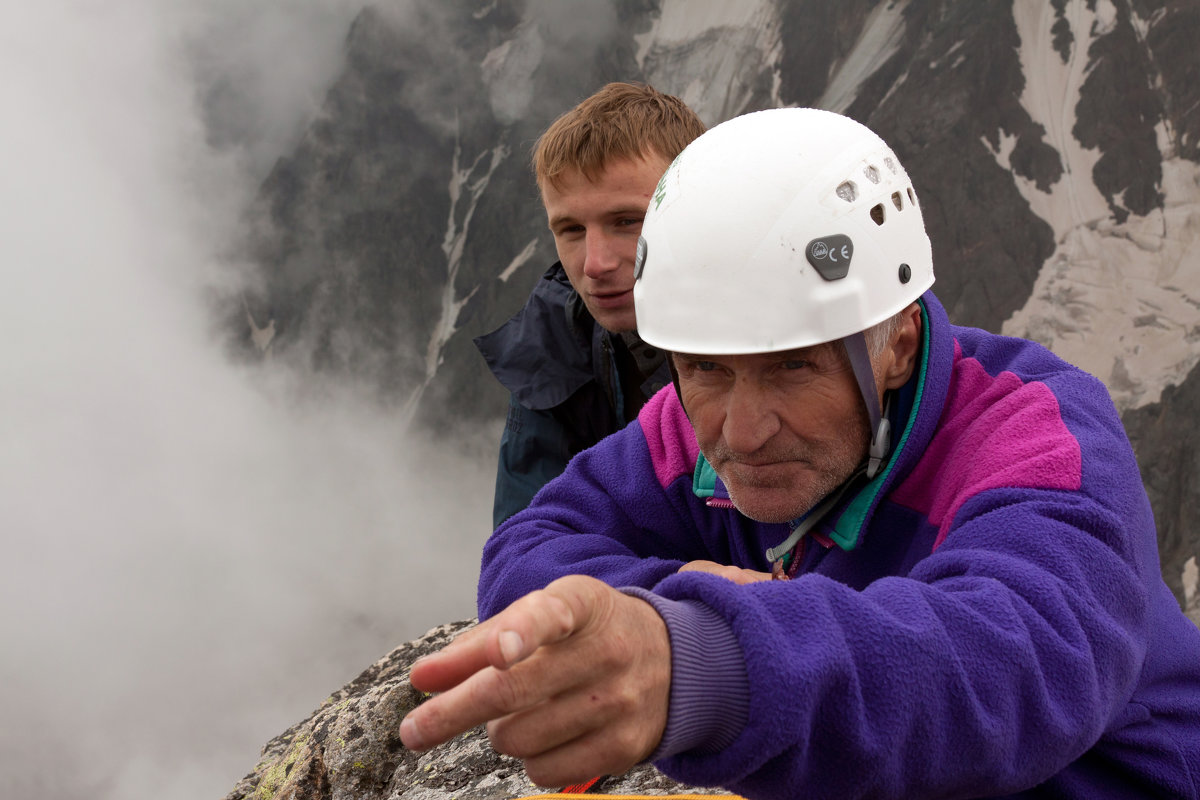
x: 560, y: 367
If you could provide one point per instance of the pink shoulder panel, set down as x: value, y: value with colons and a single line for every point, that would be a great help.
x: 669, y: 436
x: 995, y: 432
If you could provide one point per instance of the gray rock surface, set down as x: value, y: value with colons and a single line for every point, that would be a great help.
x: 350, y: 749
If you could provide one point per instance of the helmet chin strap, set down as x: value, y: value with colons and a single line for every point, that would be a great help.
x: 881, y: 443
x: 881, y: 428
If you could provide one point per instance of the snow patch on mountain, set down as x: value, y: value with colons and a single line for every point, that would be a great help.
x: 882, y: 35
x: 713, y: 55
x: 1105, y: 16
x: 1118, y: 300
x: 464, y: 184
x: 1123, y: 301
x: 519, y: 261
x: 682, y: 21
x: 1050, y: 96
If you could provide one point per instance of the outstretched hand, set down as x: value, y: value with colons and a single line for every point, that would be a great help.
x: 574, y: 680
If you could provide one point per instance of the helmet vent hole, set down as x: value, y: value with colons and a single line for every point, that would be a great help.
x: 912, y: 198
x: 877, y: 213
x: 848, y: 191
x: 897, y: 201
x: 890, y: 164
x: 871, y: 172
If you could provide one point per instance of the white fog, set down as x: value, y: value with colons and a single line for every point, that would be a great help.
x: 194, y: 554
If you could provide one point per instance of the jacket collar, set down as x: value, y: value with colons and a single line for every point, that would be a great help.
x: 544, y: 354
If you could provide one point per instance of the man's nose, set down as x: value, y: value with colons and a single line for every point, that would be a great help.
x: 601, y: 256
x: 750, y: 419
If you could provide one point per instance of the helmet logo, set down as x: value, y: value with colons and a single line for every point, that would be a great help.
x: 639, y: 262
x: 660, y: 190
x: 830, y: 256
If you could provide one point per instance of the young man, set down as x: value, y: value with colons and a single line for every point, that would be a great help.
x: 859, y: 551
x: 571, y: 357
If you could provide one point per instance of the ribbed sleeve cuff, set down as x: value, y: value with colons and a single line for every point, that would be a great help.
x: 710, y: 693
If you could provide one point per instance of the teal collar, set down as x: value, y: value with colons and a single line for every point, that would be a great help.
x: 705, y: 482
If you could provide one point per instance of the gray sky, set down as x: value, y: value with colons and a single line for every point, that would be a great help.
x: 193, y: 557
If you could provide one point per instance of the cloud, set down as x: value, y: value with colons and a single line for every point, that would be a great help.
x: 195, y: 553
x: 262, y: 69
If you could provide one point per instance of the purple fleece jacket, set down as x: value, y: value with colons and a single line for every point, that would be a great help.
x: 984, y: 619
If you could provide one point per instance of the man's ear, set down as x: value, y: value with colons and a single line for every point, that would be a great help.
x: 902, y: 351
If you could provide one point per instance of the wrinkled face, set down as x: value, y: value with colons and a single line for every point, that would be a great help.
x: 596, y: 226
x: 782, y: 430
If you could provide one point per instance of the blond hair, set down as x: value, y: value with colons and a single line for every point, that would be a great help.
x: 622, y: 120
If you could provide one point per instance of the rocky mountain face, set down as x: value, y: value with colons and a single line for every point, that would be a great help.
x: 1055, y: 147
x: 350, y: 748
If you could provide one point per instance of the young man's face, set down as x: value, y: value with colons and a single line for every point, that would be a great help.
x: 596, y: 225
x: 782, y: 430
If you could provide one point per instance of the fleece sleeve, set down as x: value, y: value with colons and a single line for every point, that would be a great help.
x: 987, y: 669
x: 710, y: 696
x: 606, y: 516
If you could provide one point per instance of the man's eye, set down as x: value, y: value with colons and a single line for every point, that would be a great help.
x: 704, y: 366
x: 795, y: 363
x: 629, y: 221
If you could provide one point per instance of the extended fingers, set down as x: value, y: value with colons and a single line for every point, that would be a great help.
x: 615, y: 683
x: 585, y: 705
x: 483, y: 696
x: 475, y: 671
x: 508, y: 638
x: 564, y: 608
x: 500, y: 668
x: 492, y: 694
x: 453, y: 664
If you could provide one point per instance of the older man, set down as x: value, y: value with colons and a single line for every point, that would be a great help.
x: 571, y: 358
x: 860, y: 551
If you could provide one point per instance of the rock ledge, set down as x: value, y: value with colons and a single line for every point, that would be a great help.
x: 350, y: 749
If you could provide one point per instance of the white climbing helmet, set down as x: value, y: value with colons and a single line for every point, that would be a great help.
x: 776, y: 230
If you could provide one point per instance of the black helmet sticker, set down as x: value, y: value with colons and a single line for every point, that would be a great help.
x: 830, y: 256
x: 639, y: 262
